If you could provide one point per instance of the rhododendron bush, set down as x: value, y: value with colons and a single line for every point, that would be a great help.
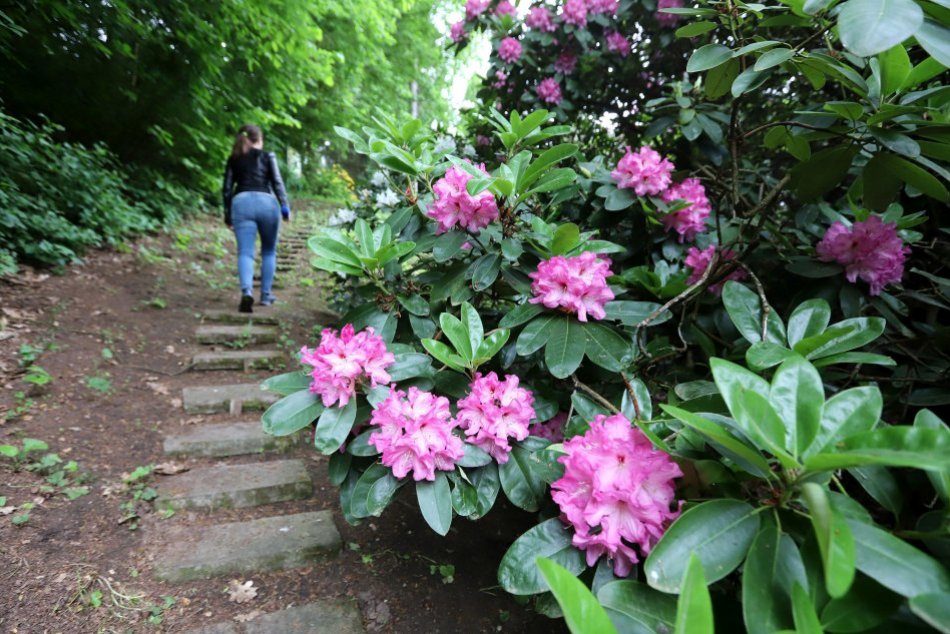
x: 708, y: 363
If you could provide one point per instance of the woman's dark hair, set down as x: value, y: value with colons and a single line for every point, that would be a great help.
x: 247, y: 136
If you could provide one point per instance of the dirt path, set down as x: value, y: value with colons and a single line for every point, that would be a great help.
x: 112, y: 340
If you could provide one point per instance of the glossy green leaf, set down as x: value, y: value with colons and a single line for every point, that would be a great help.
x: 719, y: 532
x: 636, y: 608
x: 933, y: 609
x: 491, y: 345
x: 899, y: 446
x: 869, y: 27
x: 486, y: 483
x: 834, y: 540
x: 773, y: 57
x: 803, y: 612
x: 287, y: 384
x: 848, y: 412
x: 809, y: 318
x: 935, y: 39
x: 536, y: 334
x: 605, y: 347
x: 632, y: 313
x: 694, y: 613
x: 759, y: 421
x: 521, y: 479
x: 474, y: 457
x: 695, y: 28
x: 798, y: 397
x: 764, y: 601
x: 565, y: 347
x: 485, y: 271
x: 472, y: 322
x: 841, y: 337
x: 897, y: 565
x: 745, y: 311
x: 582, y: 612
x: 747, y: 457
x: 409, y: 365
x: 866, y: 605
x: 333, y: 427
x: 381, y: 493
x: 520, y: 314
x: 708, y: 56
x: 292, y: 413
x: 824, y: 171
x: 926, y: 419
x: 443, y: 353
x: 435, y: 502
x: 764, y: 355
x: 895, y: 67
x: 458, y: 334
x: 518, y: 573
x: 880, y: 485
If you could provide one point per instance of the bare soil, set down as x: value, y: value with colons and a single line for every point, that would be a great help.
x: 115, y: 336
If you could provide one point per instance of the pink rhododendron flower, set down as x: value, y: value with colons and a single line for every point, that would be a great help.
x: 699, y: 261
x: 509, y: 50
x: 870, y: 250
x: 474, y: 8
x: 341, y: 362
x: 668, y: 19
x: 575, y: 284
x: 505, y: 8
x: 457, y: 32
x: 616, y: 492
x: 549, y: 91
x: 617, y: 43
x: 690, y: 220
x: 495, y: 412
x: 539, y: 19
x: 453, y: 205
x: 501, y: 78
x: 482, y: 141
x: 644, y: 171
x: 552, y: 429
x: 565, y: 63
x: 603, y: 6
x: 415, y: 434
x: 575, y: 12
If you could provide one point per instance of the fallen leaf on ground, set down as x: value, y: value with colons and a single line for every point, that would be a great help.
x: 169, y: 468
x: 114, y: 489
x: 6, y: 510
x: 248, y: 616
x: 176, y: 403
x: 158, y: 388
x: 241, y: 592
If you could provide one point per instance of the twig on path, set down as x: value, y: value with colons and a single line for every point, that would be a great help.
x: 163, y: 372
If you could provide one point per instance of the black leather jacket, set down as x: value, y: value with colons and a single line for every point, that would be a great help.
x: 255, y: 171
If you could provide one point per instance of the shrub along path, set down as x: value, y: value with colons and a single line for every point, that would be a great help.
x: 248, y: 537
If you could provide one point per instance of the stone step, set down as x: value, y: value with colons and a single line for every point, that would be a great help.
x: 270, y: 543
x: 235, y: 486
x: 237, y: 360
x: 234, y: 317
x: 247, y: 334
x: 226, y: 398
x: 325, y: 616
x: 228, y: 439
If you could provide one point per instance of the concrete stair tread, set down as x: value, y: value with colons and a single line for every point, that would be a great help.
x: 226, y: 398
x: 270, y: 543
x: 221, y: 315
x: 324, y: 616
x: 248, y: 334
x: 236, y: 485
x: 236, y: 359
x: 227, y: 439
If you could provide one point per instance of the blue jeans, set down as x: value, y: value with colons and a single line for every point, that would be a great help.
x: 255, y: 213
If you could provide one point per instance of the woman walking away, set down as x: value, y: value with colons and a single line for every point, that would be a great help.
x: 251, y: 181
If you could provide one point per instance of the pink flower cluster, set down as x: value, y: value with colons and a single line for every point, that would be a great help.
x: 494, y: 412
x: 453, y: 205
x: 539, y: 19
x: 603, y: 6
x: 870, y: 250
x: 644, y: 171
x: 617, y: 43
x: 505, y: 8
x: 565, y: 63
x: 415, y: 434
x: 501, y: 78
x: 341, y: 362
x: 699, y: 261
x: 552, y: 429
x: 474, y: 8
x: 509, y: 50
x: 549, y: 91
x: 575, y: 12
x: 457, y: 32
x: 690, y: 220
x: 575, y: 284
x: 616, y: 492
x: 668, y: 19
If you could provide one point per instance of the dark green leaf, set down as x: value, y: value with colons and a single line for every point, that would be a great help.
x: 764, y: 602
x: 745, y: 311
x: 565, y: 347
x: 809, y: 318
x: 747, y: 457
x: 605, y: 347
x: 797, y: 395
x: 287, y: 384
x: 636, y: 608
x: 708, y: 56
x: 934, y: 609
x: 518, y: 573
x: 521, y: 479
x: 834, y: 540
x: 520, y: 314
x: 901, y: 446
x: 719, y: 532
x: 803, y: 611
x: 536, y: 334
x: 694, y: 613
x: 824, y: 171
x: 292, y: 413
x: 582, y: 612
x: 869, y: 27
x: 333, y: 427
x: 409, y: 365
x: 847, y: 413
x: 897, y: 565
x: 435, y: 502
